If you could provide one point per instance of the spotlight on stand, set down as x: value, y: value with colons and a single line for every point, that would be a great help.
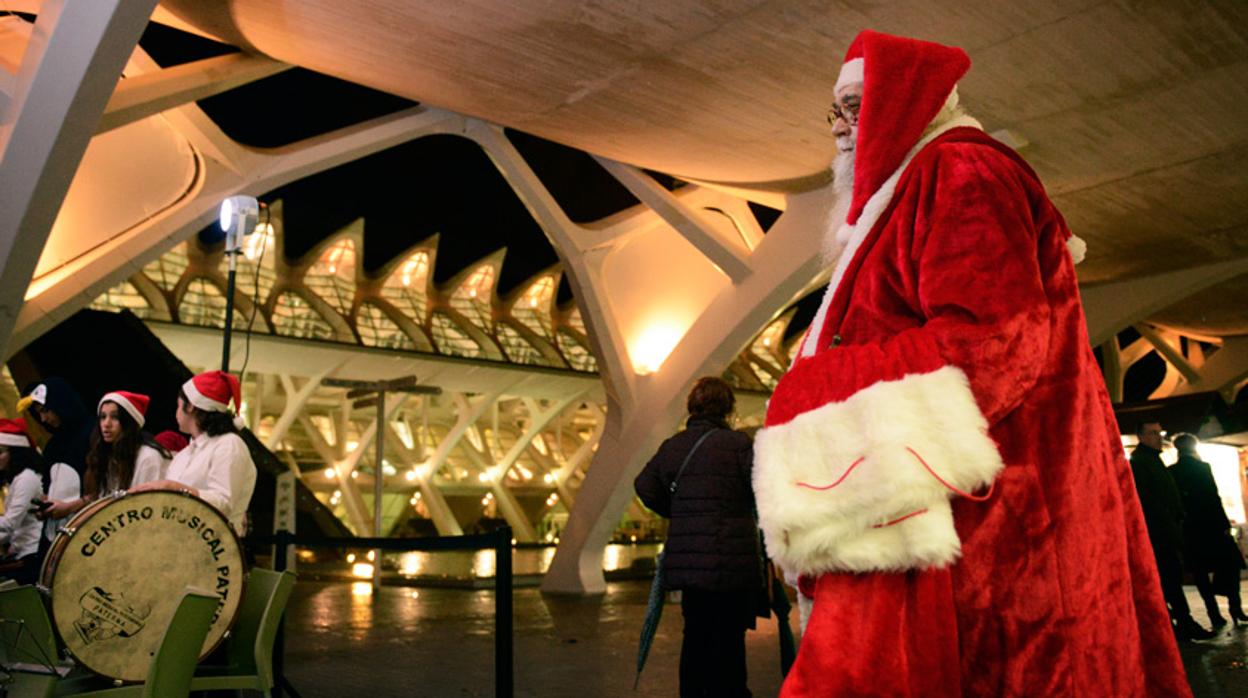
x: 239, y: 218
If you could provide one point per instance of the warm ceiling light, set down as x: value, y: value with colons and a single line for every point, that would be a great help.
x: 653, y: 347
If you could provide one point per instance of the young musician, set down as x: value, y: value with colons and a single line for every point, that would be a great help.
x: 121, y: 455
x: 217, y: 465
x: 19, y: 529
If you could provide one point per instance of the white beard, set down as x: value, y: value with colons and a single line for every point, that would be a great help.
x: 843, y: 189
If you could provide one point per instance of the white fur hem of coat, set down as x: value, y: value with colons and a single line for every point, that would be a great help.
x: 813, y: 523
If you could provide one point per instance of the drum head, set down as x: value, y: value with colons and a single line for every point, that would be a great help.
x: 123, y: 565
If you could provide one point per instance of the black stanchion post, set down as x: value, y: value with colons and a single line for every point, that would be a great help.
x: 283, y: 540
x: 504, y: 673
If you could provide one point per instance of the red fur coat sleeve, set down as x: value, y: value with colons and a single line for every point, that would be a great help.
x: 865, y: 442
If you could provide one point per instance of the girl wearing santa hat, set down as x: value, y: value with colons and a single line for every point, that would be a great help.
x: 19, y: 529
x: 217, y: 465
x: 121, y: 454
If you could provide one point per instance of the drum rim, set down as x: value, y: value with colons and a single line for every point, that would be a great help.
x: 67, y: 531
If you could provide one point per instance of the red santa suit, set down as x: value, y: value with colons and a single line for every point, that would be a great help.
x: 941, y: 463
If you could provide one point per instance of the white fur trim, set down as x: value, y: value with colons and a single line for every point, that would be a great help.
x: 809, y: 531
x: 39, y: 394
x: 1077, y: 247
x: 202, y: 401
x: 16, y: 440
x: 866, y: 221
x: 125, y: 404
x: 851, y: 72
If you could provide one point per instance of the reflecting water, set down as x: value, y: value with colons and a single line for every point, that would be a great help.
x: 524, y: 561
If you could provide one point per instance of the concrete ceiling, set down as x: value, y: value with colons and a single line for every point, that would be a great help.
x: 1135, y: 113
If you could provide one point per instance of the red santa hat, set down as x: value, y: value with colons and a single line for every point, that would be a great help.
x: 134, y: 404
x: 13, y: 433
x: 213, y: 391
x: 171, y: 440
x: 889, y: 128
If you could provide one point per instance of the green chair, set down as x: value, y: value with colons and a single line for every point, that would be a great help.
x: 250, y: 647
x: 174, y: 663
x: 8, y: 584
x: 28, y: 644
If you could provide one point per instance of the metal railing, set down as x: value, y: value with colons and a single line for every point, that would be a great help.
x: 498, y: 540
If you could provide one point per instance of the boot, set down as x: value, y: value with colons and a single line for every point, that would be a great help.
x: 1237, y: 610
x: 1210, y: 599
x: 1188, y: 629
x: 1215, y: 614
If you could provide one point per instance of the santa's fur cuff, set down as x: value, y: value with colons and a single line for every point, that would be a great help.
x: 839, y: 487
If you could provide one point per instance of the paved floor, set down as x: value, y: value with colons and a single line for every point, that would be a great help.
x: 343, y: 641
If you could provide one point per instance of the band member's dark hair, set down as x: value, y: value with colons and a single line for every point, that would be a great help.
x: 19, y: 459
x: 211, y: 423
x: 117, y: 457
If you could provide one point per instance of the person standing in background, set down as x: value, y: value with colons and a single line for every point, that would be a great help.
x: 1163, y: 515
x: 1209, y: 552
x: 712, y: 552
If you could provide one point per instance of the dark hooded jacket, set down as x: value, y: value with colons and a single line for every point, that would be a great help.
x: 712, y: 542
x: 69, y: 441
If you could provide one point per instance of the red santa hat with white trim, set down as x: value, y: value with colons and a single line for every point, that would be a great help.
x: 889, y: 128
x: 134, y: 404
x: 927, y: 74
x: 13, y: 433
x: 213, y: 391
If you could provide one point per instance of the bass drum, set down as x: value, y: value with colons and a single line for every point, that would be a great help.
x: 116, y: 571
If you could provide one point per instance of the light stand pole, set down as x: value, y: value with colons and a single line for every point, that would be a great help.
x: 232, y: 250
x: 239, y: 216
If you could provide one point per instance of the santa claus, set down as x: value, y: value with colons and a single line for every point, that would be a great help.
x: 941, y: 464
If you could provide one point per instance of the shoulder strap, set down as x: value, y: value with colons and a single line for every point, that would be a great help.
x: 689, y: 457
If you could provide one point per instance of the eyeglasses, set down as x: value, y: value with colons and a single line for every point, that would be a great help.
x: 849, y: 113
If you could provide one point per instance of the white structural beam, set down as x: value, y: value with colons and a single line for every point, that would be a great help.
x: 74, y: 286
x: 357, y: 513
x: 435, y: 502
x: 578, y: 459
x: 468, y: 411
x: 497, y: 472
x: 1160, y: 339
x: 1112, y: 307
x: 1112, y: 369
x: 730, y: 258
x: 153, y: 92
x: 637, y: 421
x: 296, y: 400
x: 539, y: 419
x: 575, y: 248
x: 393, y: 402
x: 1223, y: 371
x: 521, y: 528
x: 72, y: 62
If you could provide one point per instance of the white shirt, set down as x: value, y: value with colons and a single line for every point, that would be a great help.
x: 64, y: 485
x: 18, y: 527
x: 149, y: 466
x: 220, y: 467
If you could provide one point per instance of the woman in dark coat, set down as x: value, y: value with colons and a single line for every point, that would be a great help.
x: 712, y: 553
x: 1208, y: 548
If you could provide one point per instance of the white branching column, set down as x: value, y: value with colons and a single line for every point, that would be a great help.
x: 669, y: 294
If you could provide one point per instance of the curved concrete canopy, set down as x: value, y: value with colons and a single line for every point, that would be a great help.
x: 1133, y: 116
